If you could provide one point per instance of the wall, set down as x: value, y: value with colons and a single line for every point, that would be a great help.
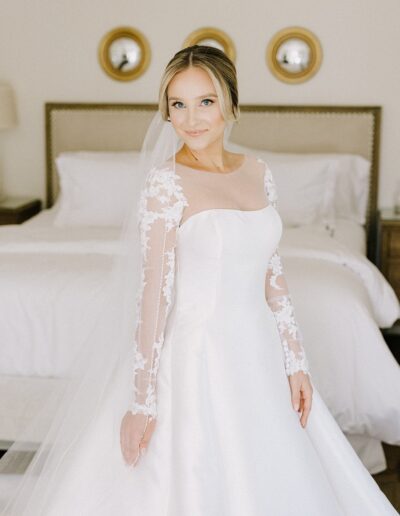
x: 48, y: 52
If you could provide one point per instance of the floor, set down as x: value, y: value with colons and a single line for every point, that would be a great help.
x: 389, y: 480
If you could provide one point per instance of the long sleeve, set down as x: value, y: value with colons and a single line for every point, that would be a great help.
x: 160, y: 210
x: 280, y: 302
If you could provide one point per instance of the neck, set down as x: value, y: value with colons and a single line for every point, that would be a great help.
x: 215, y: 158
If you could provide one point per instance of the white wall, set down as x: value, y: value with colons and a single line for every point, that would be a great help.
x: 48, y: 52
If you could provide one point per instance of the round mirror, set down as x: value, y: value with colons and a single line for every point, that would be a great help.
x: 124, y: 54
x: 294, y: 55
x: 212, y: 37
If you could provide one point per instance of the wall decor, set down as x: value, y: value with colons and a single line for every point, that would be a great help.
x: 212, y: 37
x: 294, y: 54
x: 124, y: 53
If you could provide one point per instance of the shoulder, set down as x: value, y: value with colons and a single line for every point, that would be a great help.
x: 269, y: 182
x: 264, y: 167
x: 261, y: 163
x: 163, y: 180
x: 161, y: 191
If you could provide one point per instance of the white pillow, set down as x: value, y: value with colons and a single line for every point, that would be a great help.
x: 352, y: 177
x: 95, y: 187
x: 305, y: 188
x: 352, y: 180
x: 305, y: 193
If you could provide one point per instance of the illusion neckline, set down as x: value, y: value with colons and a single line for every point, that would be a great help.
x: 235, y: 170
x: 208, y: 210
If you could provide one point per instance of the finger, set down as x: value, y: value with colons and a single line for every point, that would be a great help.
x: 296, y: 399
x: 149, y: 430
x: 137, y: 457
x: 148, y: 433
x: 307, y: 410
x: 133, y: 455
x: 130, y: 448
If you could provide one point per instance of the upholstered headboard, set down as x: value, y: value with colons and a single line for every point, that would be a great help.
x: 118, y: 127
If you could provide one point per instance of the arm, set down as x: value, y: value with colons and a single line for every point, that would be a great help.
x: 160, y: 210
x: 279, y: 300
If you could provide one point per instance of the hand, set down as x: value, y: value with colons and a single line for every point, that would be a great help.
x: 302, y: 390
x: 135, y: 433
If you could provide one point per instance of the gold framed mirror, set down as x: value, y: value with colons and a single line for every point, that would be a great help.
x: 212, y: 37
x: 294, y: 55
x: 124, y: 53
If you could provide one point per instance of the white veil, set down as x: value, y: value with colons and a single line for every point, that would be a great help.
x: 101, y: 374
x: 106, y: 352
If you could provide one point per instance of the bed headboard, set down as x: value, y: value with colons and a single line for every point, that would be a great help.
x: 121, y: 127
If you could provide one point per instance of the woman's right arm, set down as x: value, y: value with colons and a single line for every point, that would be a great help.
x: 160, y: 210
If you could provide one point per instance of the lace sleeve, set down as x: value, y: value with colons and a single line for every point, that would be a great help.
x: 279, y: 300
x: 159, y: 213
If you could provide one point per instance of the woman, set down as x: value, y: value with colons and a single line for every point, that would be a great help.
x: 239, y: 446
x: 222, y: 393
x: 192, y: 106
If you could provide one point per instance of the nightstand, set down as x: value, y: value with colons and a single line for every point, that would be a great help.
x: 389, y: 247
x: 389, y: 264
x: 392, y: 338
x: 14, y: 210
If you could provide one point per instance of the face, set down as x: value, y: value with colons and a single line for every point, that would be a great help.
x: 195, y: 110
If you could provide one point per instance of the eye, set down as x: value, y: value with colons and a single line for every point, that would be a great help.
x: 174, y: 104
x: 208, y: 100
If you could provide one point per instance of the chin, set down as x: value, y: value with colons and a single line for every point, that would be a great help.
x: 199, y: 143
x: 199, y: 146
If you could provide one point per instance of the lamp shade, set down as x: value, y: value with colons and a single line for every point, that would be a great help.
x: 8, y: 114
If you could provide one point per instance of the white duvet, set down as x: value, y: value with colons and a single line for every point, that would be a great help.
x: 341, y: 299
x: 51, y: 278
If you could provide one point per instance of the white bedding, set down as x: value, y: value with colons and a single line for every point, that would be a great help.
x: 351, y: 234
x: 51, y: 278
x: 349, y: 359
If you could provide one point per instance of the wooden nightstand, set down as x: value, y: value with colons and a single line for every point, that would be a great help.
x: 389, y: 247
x: 14, y: 210
x: 389, y: 264
x: 392, y: 338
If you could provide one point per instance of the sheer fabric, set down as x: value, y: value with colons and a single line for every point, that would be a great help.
x: 160, y: 211
x: 279, y: 300
x: 168, y: 199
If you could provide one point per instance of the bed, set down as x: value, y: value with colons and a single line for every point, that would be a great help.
x: 50, y: 275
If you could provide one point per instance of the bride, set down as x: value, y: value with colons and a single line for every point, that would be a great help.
x: 201, y: 404
x: 192, y: 107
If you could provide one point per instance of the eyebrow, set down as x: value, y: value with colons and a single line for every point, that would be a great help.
x: 200, y: 97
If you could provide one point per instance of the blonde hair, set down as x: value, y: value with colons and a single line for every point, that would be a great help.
x: 219, y: 67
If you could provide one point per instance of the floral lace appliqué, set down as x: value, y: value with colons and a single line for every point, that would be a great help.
x: 279, y: 299
x: 160, y: 211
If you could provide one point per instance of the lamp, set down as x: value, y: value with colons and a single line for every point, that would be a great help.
x: 8, y: 113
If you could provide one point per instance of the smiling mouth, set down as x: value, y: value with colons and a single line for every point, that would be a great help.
x: 195, y: 133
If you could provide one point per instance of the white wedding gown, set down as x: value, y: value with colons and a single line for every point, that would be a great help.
x: 216, y: 344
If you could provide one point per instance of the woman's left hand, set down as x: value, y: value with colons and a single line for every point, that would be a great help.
x: 302, y: 390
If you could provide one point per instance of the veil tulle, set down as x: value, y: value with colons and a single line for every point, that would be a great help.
x: 101, y: 373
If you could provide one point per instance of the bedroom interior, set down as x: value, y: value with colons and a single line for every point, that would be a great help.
x: 115, y: 130
x: 329, y: 132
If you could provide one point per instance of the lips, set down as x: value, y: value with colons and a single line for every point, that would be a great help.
x: 195, y: 133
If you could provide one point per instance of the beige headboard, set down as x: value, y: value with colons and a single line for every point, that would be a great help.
x: 117, y: 127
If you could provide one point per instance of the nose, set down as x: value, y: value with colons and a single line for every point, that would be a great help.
x: 192, y: 118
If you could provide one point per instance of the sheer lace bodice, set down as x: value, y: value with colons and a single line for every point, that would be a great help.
x: 168, y: 200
